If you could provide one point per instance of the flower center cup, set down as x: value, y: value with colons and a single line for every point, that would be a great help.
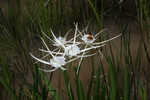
x: 72, y: 50
x: 58, y: 61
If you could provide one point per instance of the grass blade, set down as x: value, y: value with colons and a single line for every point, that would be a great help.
x: 68, y: 86
x: 97, y: 85
x: 113, y: 83
x: 127, y: 84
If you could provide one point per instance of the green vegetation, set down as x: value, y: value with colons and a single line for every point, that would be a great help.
x: 21, y: 26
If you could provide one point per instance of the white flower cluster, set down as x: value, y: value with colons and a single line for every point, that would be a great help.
x: 70, y: 50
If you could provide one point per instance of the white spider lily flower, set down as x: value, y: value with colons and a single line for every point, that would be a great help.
x: 88, y: 38
x: 57, y: 41
x: 56, y: 62
x: 72, y: 50
x: 60, y: 41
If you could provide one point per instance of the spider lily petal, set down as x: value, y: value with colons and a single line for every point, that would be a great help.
x: 51, y: 52
x: 62, y: 68
x: 107, y: 40
x: 46, y: 54
x: 93, y: 47
x: 71, y: 60
x: 40, y: 60
x: 45, y: 70
x: 101, y: 31
x: 47, y: 37
x: 52, y: 70
x: 47, y: 47
x: 87, y: 55
x: 76, y: 29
